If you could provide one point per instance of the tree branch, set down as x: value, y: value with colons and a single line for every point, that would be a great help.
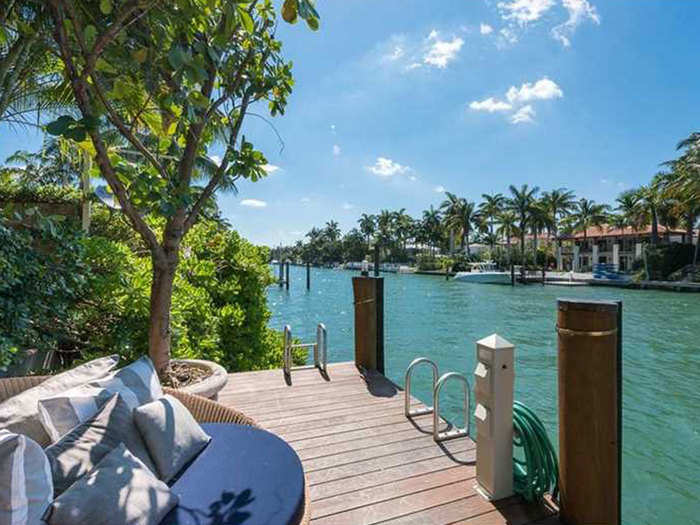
x: 102, y: 157
x: 221, y: 171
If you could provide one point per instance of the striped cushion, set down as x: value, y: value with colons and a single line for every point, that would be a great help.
x: 137, y: 384
x: 20, y: 413
x: 26, y: 488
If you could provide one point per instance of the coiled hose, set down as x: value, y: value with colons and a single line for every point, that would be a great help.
x: 535, y: 470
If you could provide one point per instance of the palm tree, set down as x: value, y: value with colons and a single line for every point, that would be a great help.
x: 451, y: 210
x: 430, y: 226
x: 332, y: 231
x: 521, y: 202
x: 650, y: 201
x: 558, y: 203
x: 588, y: 214
x: 540, y: 220
x: 629, y: 210
x: 368, y: 226
x: 489, y: 208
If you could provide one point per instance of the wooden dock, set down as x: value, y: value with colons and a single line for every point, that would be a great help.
x: 365, y: 462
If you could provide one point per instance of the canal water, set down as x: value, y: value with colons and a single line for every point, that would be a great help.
x: 428, y: 316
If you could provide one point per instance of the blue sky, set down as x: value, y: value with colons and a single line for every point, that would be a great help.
x: 398, y: 100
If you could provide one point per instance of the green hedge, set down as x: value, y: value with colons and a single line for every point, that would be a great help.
x: 666, y: 259
x: 65, y: 291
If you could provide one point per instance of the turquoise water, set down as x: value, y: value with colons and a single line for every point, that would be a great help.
x: 425, y: 315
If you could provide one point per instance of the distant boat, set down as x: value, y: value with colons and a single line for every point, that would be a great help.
x: 483, y: 273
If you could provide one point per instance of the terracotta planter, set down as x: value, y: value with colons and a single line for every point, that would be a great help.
x: 212, y: 385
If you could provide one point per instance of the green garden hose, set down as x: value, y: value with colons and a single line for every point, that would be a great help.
x: 535, y: 469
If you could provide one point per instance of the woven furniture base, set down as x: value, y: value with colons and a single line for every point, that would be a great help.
x: 203, y: 410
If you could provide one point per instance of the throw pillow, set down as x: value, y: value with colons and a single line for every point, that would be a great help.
x: 25, y: 479
x: 172, y: 435
x: 119, y: 491
x: 137, y: 383
x: 79, y: 451
x: 20, y: 413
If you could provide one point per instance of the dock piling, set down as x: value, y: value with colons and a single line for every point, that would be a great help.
x: 286, y: 279
x: 308, y: 276
x: 590, y: 431
x: 369, y: 322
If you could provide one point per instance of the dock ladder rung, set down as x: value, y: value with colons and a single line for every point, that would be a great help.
x: 407, y: 392
x: 456, y: 432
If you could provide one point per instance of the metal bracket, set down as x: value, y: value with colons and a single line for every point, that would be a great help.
x: 455, y: 432
x: 407, y: 392
x: 320, y: 349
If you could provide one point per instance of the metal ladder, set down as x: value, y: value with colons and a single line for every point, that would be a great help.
x: 320, y: 348
x: 438, y: 436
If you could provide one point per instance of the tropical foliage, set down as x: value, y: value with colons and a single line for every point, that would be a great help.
x: 145, y: 88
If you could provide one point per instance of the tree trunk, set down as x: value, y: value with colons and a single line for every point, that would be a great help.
x: 654, y: 228
x: 161, y: 300
x: 697, y: 246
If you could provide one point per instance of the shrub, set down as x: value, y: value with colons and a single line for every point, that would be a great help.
x: 663, y: 260
x: 91, y: 295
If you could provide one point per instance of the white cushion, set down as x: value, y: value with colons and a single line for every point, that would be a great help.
x: 137, y: 384
x: 26, y: 486
x: 20, y: 413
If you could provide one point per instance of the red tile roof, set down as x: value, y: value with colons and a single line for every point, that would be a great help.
x: 610, y: 231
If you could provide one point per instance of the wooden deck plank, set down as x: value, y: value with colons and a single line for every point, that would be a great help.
x: 365, y: 462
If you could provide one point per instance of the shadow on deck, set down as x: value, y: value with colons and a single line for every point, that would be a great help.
x: 365, y: 462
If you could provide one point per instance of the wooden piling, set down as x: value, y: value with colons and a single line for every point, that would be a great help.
x: 369, y: 322
x: 308, y: 276
x: 286, y: 279
x: 590, y: 407
x: 376, y: 260
x: 281, y: 273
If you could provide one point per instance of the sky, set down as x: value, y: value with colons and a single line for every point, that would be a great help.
x: 397, y: 101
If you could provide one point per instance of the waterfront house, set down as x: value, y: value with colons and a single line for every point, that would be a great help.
x: 607, y: 244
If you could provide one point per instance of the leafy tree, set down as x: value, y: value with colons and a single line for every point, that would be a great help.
x: 368, y: 226
x: 171, y: 78
x: 588, y: 214
x: 521, y: 203
x: 558, y: 203
x: 490, y: 208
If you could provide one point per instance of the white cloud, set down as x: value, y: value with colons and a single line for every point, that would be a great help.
x: 413, y: 65
x: 395, y: 54
x: 523, y: 115
x: 579, y: 11
x: 442, y: 52
x: 490, y: 104
x: 271, y: 168
x: 413, y: 178
x: 305, y: 200
x: 523, y: 12
x: 253, y: 203
x: 439, y: 189
x: 336, y: 150
x: 348, y: 206
x: 508, y: 36
x: 386, y: 167
x: 333, y: 129
x: 543, y: 89
x: 485, y: 29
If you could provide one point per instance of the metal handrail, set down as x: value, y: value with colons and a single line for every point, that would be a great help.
x: 320, y: 348
x: 407, y: 392
x: 456, y: 432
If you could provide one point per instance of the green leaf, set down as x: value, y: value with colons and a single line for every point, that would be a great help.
x: 312, y: 22
x: 290, y: 11
x: 246, y: 20
x: 60, y: 125
x: 106, y: 6
x: 90, y: 34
